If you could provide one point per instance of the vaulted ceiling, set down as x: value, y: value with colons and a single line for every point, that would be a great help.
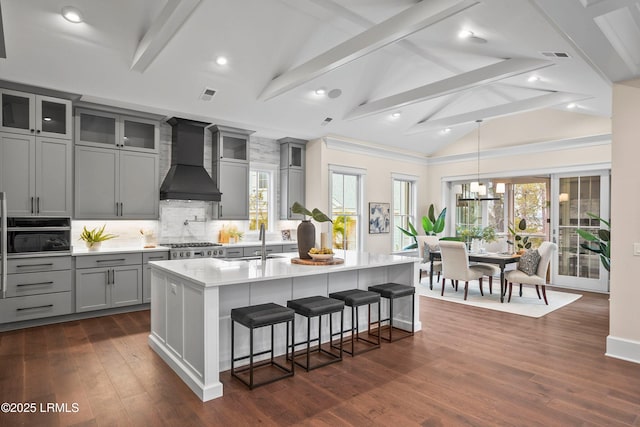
x: 373, y: 58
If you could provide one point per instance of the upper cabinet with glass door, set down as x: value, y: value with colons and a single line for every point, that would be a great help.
x: 230, y: 144
x: 105, y: 129
x: 37, y: 115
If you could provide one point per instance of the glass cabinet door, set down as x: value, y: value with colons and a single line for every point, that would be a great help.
x: 139, y: 134
x: 234, y: 147
x: 53, y: 117
x: 18, y: 112
x: 96, y: 129
x: 296, y: 156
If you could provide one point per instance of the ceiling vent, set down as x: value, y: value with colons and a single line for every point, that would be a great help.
x: 207, y: 94
x: 326, y: 121
x: 561, y: 55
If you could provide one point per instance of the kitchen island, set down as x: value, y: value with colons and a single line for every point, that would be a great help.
x: 191, y: 302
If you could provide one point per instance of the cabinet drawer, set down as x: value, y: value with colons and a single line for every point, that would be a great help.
x: 29, y: 265
x: 290, y: 248
x: 38, y: 283
x: 35, y: 307
x: 234, y: 252
x: 154, y: 256
x: 108, y: 260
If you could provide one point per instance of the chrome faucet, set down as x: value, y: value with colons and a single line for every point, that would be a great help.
x: 263, y: 238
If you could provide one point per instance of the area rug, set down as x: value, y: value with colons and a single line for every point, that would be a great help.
x: 526, y: 305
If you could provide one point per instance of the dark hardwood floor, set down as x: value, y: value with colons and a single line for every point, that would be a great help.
x: 468, y: 366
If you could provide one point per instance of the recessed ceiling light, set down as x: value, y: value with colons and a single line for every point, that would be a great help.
x: 465, y: 34
x: 572, y: 105
x: 71, y: 14
x: 321, y: 91
x: 533, y: 79
x: 396, y: 114
x: 221, y: 60
x: 47, y: 119
x: 445, y: 131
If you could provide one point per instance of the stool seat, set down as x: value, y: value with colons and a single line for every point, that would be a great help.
x: 356, y: 297
x: 393, y: 290
x: 256, y: 316
x: 315, y: 306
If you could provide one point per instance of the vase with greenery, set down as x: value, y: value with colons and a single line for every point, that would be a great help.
x: 431, y: 225
x: 520, y: 243
x: 598, y: 243
x: 306, y: 232
x: 94, y: 238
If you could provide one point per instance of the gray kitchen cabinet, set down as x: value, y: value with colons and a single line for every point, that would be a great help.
x: 146, y: 272
x: 290, y: 247
x: 231, y: 171
x: 36, y: 175
x: 292, y: 175
x: 116, y: 282
x: 37, y: 115
x: 103, y: 129
x: 115, y: 184
x: 37, y: 287
x: 256, y: 250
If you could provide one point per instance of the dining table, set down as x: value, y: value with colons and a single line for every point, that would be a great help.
x: 499, y: 259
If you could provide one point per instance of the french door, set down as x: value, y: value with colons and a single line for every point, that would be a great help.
x: 575, y: 195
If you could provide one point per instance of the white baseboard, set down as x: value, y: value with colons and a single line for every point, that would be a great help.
x: 624, y: 349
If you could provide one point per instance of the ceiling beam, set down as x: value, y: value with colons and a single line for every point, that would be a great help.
x: 162, y: 30
x: 396, y: 28
x: 481, y: 76
x: 529, y: 104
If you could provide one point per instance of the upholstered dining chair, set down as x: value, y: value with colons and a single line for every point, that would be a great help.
x: 432, y: 244
x: 539, y: 278
x: 455, y: 266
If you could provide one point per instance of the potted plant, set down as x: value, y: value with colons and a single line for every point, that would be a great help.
x: 602, y: 241
x: 94, y: 238
x: 520, y: 243
x: 431, y: 225
x: 306, y: 230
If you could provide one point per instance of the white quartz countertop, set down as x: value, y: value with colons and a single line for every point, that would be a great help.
x: 209, y: 272
x: 82, y: 250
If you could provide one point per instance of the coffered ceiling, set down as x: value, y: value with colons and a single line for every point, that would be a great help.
x: 373, y: 58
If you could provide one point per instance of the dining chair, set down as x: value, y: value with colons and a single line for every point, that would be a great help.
x: 455, y: 266
x: 491, y: 270
x: 539, y: 279
x: 432, y: 244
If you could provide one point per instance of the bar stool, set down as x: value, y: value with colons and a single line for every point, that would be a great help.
x: 254, y: 317
x: 392, y: 291
x: 318, y: 306
x: 355, y: 298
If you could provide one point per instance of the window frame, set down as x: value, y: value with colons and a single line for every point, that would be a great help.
x: 272, y: 171
x: 360, y: 174
x: 412, y: 208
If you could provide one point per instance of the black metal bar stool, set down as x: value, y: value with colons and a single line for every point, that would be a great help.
x: 258, y: 316
x: 318, y: 306
x: 355, y: 298
x: 392, y: 291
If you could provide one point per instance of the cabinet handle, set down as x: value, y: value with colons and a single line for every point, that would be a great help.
x: 111, y: 260
x: 35, y: 284
x: 50, y: 264
x: 38, y: 204
x: 117, y: 208
x: 34, y: 308
x: 113, y: 277
x: 32, y: 205
x: 38, y: 131
x: 121, y: 209
x: 156, y: 257
x: 32, y: 130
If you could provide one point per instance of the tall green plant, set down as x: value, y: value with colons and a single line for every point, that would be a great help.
x: 519, y: 242
x: 431, y: 225
x: 600, y: 243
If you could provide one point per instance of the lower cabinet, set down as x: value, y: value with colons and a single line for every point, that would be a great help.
x: 146, y: 272
x: 37, y: 287
x: 118, y: 283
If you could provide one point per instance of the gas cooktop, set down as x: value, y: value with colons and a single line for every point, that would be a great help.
x: 190, y: 245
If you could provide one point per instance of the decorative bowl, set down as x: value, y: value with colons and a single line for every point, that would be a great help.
x: 321, y: 257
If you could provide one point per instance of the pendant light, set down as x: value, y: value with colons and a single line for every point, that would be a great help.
x: 477, y: 187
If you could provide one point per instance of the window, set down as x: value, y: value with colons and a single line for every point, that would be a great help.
x: 404, y: 211
x: 260, y: 198
x: 346, y: 208
x: 474, y: 214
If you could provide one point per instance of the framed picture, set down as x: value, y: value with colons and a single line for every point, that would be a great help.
x: 379, y: 218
